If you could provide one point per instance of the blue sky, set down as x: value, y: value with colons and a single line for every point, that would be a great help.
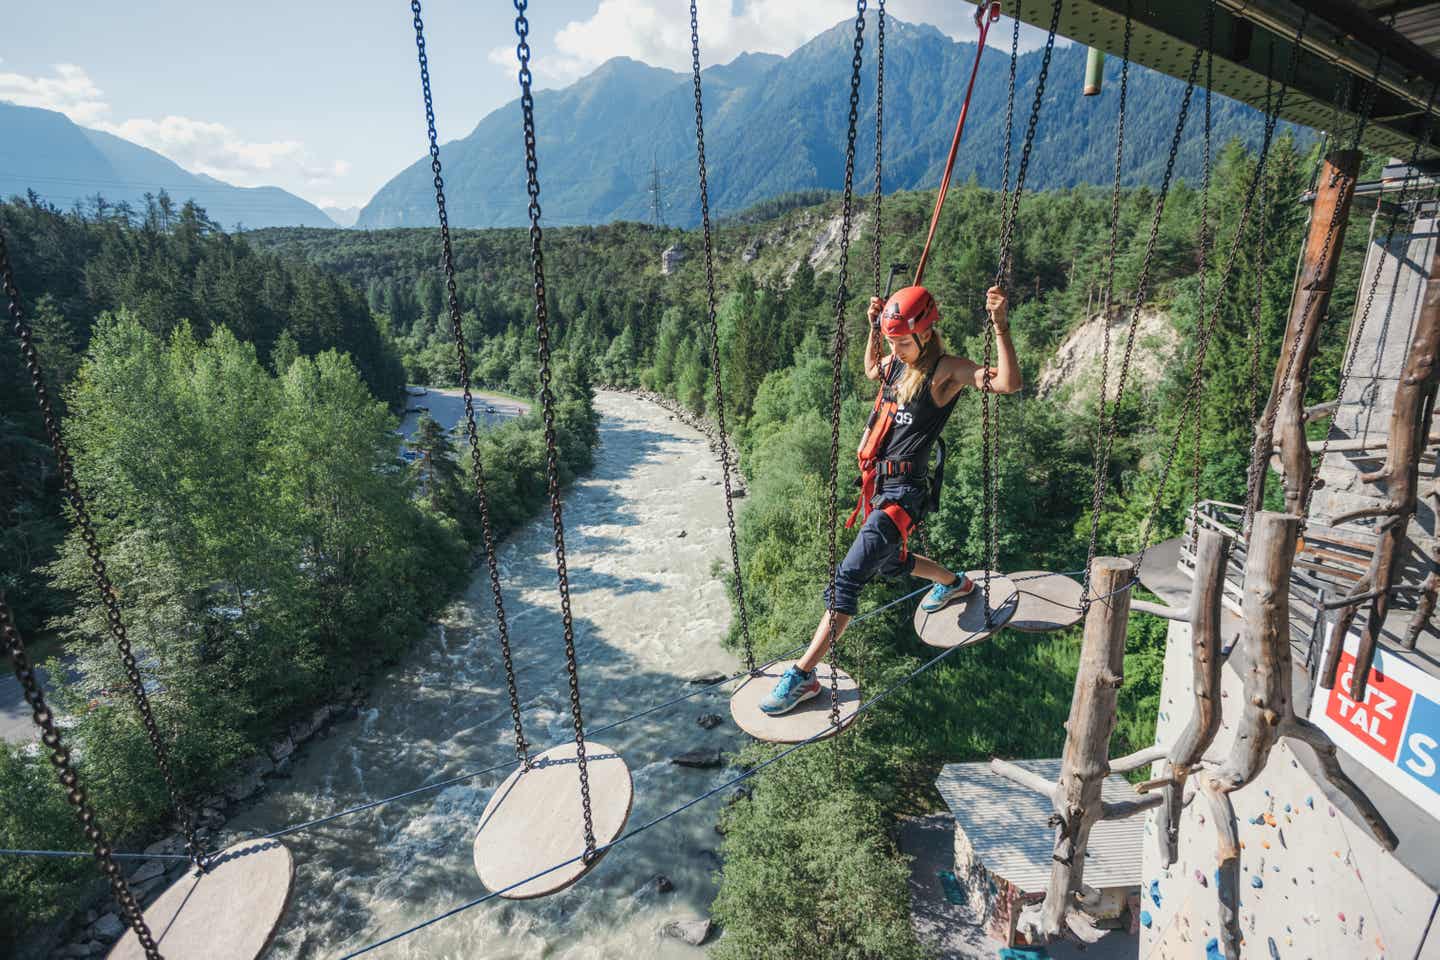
x: 322, y: 97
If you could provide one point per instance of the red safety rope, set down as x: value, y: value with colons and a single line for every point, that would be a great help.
x: 983, y: 22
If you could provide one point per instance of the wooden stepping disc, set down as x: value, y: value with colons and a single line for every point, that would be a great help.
x: 805, y: 721
x: 962, y: 622
x: 535, y: 820
x: 230, y: 912
x: 1048, y: 601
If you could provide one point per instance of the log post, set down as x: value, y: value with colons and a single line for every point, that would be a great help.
x: 1409, y: 430
x: 1431, y: 586
x: 1268, y: 711
x: 1205, y: 596
x: 1285, y: 409
x: 1086, y: 760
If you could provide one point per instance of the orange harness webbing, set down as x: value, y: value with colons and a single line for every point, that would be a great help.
x: 872, y: 441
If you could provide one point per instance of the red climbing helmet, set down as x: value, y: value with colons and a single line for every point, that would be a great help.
x: 910, y: 310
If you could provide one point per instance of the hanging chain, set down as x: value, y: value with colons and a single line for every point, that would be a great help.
x: 477, y: 470
x: 989, y: 441
x: 1252, y: 334
x: 547, y: 400
x: 1108, y: 295
x: 1364, y: 316
x: 1204, y: 266
x: 1009, y: 115
x: 1208, y: 325
x: 842, y: 294
x: 714, y: 328
x: 108, y: 597
x: 1291, y: 355
x: 879, y: 143
x: 1102, y: 466
x: 70, y: 780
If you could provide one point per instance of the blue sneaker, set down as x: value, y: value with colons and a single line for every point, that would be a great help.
x: 940, y: 594
x: 794, y: 688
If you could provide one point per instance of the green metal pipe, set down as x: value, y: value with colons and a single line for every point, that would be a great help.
x: 1094, y: 71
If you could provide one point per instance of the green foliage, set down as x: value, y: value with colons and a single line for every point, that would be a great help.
x: 810, y: 869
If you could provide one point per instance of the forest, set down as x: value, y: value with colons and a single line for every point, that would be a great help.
x: 810, y: 863
x: 199, y: 405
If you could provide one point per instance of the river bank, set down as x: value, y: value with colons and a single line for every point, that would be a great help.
x: 648, y: 615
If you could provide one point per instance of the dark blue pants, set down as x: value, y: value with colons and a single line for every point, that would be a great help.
x: 876, y: 550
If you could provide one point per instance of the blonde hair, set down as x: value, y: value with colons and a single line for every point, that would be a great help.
x: 915, y: 373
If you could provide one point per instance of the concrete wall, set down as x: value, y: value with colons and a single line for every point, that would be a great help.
x: 1314, y: 880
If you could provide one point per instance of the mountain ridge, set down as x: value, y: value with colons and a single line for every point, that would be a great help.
x: 777, y: 125
x: 65, y: 163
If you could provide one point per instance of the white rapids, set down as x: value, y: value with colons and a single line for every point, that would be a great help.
x: 649, y: 612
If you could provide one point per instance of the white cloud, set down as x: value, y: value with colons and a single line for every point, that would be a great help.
x: 199, y: 146
x: 70, y: 91
x: 657, y: 32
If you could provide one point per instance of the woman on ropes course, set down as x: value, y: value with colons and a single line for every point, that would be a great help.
x: 919, y: 384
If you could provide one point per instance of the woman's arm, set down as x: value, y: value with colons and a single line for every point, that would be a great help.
x: 1004, y: 378
x: 874, y: 369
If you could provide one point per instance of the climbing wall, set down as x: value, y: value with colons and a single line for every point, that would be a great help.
x: 1314, y: 884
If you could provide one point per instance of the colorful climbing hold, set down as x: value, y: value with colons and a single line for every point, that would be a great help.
x: 1270, y: 819
x: 1256, y: 882
x: 1155, y: 892
x: 1265, y: 844
x: 1258, y: 819
x: 1341, y: 915
x: 1145, y: 918
x: 1200, y: 879
x: 1310, y: 802
x: 1274, y: 950
x: 1212, y: 950
x: 1287, y: 808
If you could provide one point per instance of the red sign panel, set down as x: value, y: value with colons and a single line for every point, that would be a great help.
x: 1380, y: 721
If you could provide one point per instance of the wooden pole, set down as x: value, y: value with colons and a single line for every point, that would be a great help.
x: 1086, y: 760
x: 1094, y: 71
x: 1205, y: 597
x: 1409, y: 430
x: 1431, y: 586
x: 1268, y: 711
x: 1285, y: 410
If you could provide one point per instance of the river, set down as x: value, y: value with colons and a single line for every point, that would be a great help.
x: 648, y: 614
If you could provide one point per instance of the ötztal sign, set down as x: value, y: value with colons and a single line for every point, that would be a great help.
x: 1396, y: 731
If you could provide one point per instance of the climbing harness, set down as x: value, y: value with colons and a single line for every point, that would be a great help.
x: 714, y: 329
x: 462, y: 360
x: 986, y: 13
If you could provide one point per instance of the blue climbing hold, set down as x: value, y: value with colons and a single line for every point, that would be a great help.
x: 1274, y: 950
x: 1258, y: 819
x: 1217, y: 879
x: 1155, y: 891
x: 1256, y: 882
x: 1145, y: 917
x: 1287, y: 808
x: 1310, y: 802
x: 1212, y: 950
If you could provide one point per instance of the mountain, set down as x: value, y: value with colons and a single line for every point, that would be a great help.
x: 776, y: 125
x: 65, y: 163
x: 343, y: 216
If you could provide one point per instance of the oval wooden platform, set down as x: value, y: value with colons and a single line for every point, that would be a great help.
x: 535, y: 820
x: 805, y: 721
x: 230, y: 912
x: 962, y: 622
x: 1048, y: 601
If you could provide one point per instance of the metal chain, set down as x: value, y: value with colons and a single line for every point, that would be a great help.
x: 108, y: 597
x: 1204, y: 266
x: 1108, y: 296
x: 1252, y: 333
x: 1007, y: 223
x: 547, y: 401
x: 477, y: 470
x: 1102, y: 466
x: 714, y: 329
x: 989, y: 449
x: 74, y: 793
x: 879, y: 143
x: 1364, y: 316
x: 1009, y: 114
x: 1191, y: 405
x: 1332, y: 231
x: 838, y: 349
